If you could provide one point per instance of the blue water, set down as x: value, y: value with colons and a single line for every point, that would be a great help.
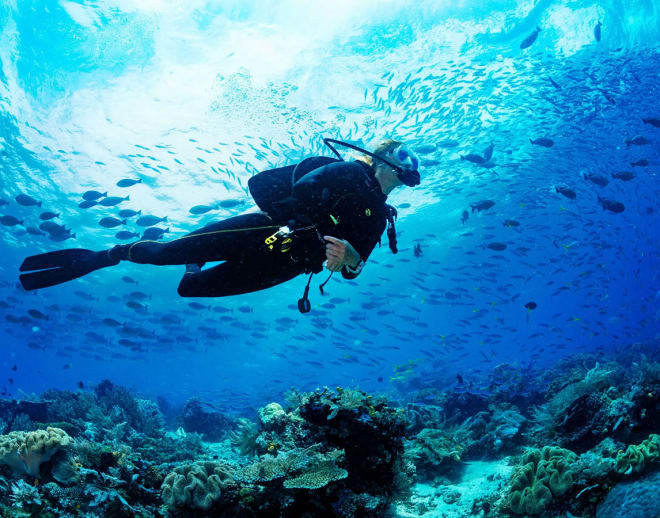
x: 194, y: 97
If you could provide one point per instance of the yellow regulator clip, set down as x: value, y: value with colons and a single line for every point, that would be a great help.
x: 283, y: 235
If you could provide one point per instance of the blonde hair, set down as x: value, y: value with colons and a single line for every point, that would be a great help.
x: 382, y: 149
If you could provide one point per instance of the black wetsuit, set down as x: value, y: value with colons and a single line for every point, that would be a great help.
x: 340, y: 199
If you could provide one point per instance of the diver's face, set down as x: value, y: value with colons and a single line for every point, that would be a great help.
x: 387, y: 178
x: 395, y: 180
x: 393, y: 177
x: 386, y: 172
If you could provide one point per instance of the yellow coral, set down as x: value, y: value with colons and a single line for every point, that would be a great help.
x: 25, y: 451
x: 196, y: 486
x: 543, y: 475
x: 637, y: 456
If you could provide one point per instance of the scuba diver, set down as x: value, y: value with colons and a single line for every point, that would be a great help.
x: 321, y: 211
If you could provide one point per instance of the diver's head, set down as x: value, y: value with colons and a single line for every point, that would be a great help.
x: 397, y: 165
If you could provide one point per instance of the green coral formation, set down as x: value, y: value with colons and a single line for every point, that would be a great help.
x: 554, y: 478
x: 435, y: 454
x: 24, y: 452
x: 593, y: 380
x: 543, y: 475
x: 196, y: 486
x: 637, y: 457
x: 244, y: 439
x: 272, y: 416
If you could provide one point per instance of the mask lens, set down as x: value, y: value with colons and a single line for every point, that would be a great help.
x: 407, y: 158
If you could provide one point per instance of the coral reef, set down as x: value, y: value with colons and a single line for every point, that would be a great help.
x: 305, y: 468
x: 203, y: 418
x: 272, y: 416
x: 587, y: 448
x: 335, y: 453
x: 16, y: 412
x: 634, y: 499
x: 368, y: 430
x: 24, y: 496
x: 437, y: 457
x: 556, y: 479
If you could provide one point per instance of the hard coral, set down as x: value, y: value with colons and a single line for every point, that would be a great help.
x: 320, y: 476
x: 593, y: 380
x: 25, y: 451
x: 272, y: 416
x: 120, y: 403
x: 151, y: 420
x: 308, y: 468
x: 63, y: 405
x: 335, y: 454
x: 634, y: 499
x: 370, y: 433
x: 24, y: 496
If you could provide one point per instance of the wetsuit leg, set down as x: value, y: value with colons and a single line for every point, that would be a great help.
x: 215, y: 242
x: 257, y: 272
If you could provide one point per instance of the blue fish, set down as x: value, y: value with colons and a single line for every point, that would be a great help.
x: 127, y: 182
x: 529, y: 40
x: 27, y: 201
x: 110, y: 222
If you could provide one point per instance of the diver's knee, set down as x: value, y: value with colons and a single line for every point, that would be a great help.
x: 185, y: 288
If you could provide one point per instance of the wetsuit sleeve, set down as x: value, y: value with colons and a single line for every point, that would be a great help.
x: 348, y: 275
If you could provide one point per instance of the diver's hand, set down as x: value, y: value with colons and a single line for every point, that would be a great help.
x: 339, y: 253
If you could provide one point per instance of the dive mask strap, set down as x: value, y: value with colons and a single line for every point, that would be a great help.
x: 408, y: 175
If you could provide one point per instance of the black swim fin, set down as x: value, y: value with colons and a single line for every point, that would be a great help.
x: 54, y: 268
